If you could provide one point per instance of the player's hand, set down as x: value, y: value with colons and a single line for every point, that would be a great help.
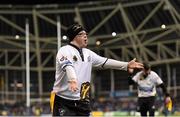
x: 134, y: 65
x: 73, y: 85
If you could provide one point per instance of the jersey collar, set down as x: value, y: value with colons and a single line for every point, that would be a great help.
x: 79, y: 50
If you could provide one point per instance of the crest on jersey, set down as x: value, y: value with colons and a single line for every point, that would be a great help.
x: 74, y: 58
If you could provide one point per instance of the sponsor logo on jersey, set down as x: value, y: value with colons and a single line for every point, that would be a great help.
x: 146, y: 88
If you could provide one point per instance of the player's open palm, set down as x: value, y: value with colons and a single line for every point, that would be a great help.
x: 134, y: 65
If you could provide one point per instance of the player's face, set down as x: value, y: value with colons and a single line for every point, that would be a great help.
x: 81, y: 39
x: 146, y: 72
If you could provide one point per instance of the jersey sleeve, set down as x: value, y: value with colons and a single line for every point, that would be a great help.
x: 64, y: 62
x: 157, y: 79
x: 136, y: 77
x: 115, y: 64
x: 107, y: 63
x: 63, y: 59
x: 97, y: 61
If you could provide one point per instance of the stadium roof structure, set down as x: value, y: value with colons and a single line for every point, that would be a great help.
x: 136, y: 22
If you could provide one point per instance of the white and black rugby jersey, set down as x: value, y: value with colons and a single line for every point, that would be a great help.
x: 82, y: 63
x: 147, y: 86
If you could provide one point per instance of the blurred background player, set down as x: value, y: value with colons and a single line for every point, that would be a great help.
x: 147, y: 81
x: 73, y: 74
x: 168, y: 106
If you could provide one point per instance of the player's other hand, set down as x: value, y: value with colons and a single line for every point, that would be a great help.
x: 134, y: 65
x: 73, y: 86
